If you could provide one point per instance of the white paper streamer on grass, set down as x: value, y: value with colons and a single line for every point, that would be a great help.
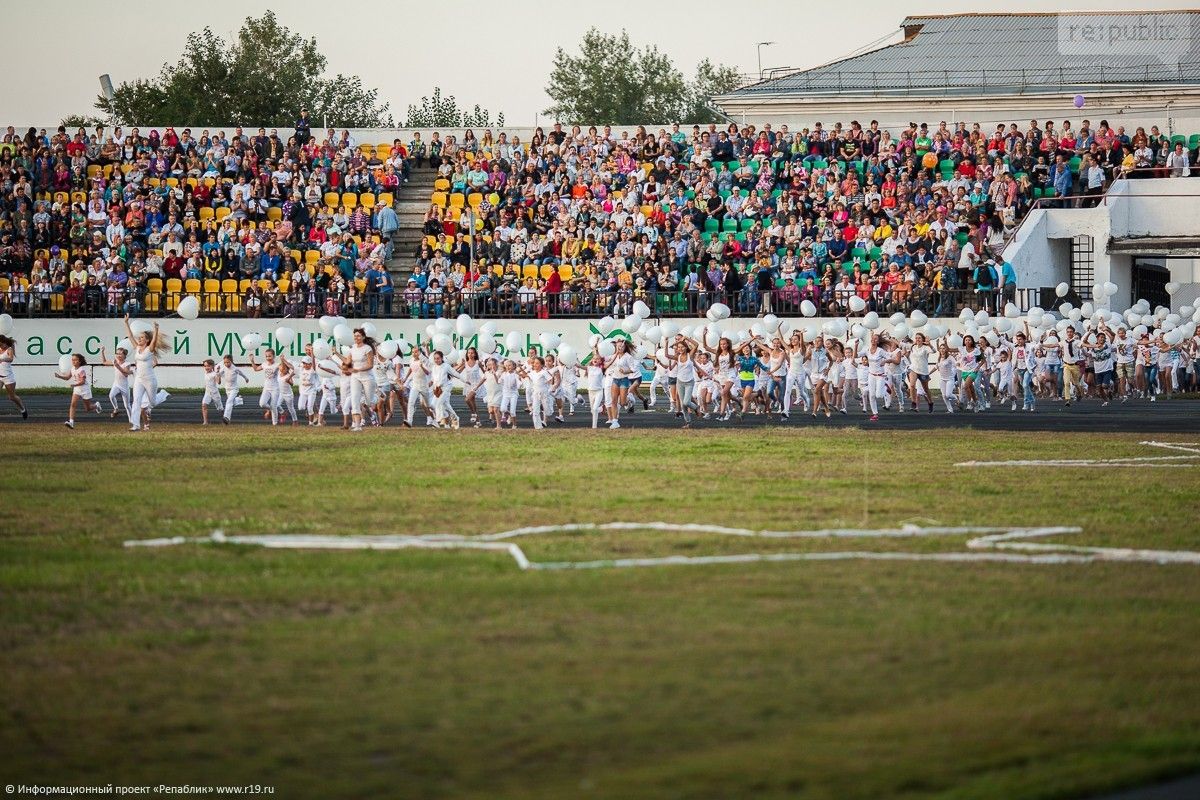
x: 989, y: 544
x: 1191, y: 460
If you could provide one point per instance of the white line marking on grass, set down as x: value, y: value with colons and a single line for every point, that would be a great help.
x: 988, y: 544
x: 1143, y: 462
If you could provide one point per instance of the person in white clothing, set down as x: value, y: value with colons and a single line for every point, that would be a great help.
x: 310, y: 381
x: 212, y: 390
x: 287, y: 379
x: 269, y: 399
x: 360, y: 363
x: 81, y: 390
x: 510, y: 389
x: 230, y: 376
x: 8, y: 378
x: 918, y: 369
x: 120, y: 395
x: 622, y: 369
x: 147, y: 347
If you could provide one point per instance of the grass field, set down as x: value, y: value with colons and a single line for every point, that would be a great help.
x: 454, y: 674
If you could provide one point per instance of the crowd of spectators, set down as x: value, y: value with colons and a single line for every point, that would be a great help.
x: 570, y: 222
x: 121, y: 221
x: 759, y: 218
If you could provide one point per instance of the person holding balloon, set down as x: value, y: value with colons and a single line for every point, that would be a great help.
x: 269, y: 400
x: 73, y: 369
x: 360, y: 363
x: 8, y: 378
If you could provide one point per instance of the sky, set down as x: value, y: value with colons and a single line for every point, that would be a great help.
x: 401, y: 47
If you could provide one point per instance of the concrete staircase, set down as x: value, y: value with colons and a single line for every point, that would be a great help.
x: 412, y: 201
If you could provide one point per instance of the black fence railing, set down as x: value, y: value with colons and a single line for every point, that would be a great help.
x: 745, y: 303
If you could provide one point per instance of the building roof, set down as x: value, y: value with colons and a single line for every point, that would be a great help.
x: 973, y: 54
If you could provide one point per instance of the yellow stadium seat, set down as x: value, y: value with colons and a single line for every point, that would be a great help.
x: 62, y: 197
x: 233, y: 303
x: 431, y: 240
x: 566, y: 272
x: 94, y: 171
x: 56, y: 302
x: 529, y: 271
x: 383, y: 151
x: 173, y: 182
x: 284, y: 284
x: 193, y: 182
x: 470, y: 157
x: 350, y: 200
x: 312, y: 256
x: 457, y: 200
x: 210, y: 182
x: 475, y: 199
x: 212, y: 294
x: 367, y: 200
x: 439, y: 199
x: 191, y: 286
x: 360, y: 284
x: 275, y: 213
x: 206, y: 213
x: 499, y: 270
x: 264, y: 283
x: 546, y: 270
x: 331, y: 199
x: 211, y: 285
x: 4, y: 285
x: 223, y: 212
x: 154, y: 182
x: 386, y: 198
x: 310, y: 269
x: 229, y: 286
x: 244, y: 285
x: 174, y: 289
x: 441, y: 185
x: 78, y: 197
x: 154, y: 285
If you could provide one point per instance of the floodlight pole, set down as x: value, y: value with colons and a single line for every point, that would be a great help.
x: 759, y: 48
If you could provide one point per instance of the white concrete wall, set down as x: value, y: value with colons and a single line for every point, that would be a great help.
x: 40, y: 342
x: 1040, y: 253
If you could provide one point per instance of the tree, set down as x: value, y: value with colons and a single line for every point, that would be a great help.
x: 443, y: 112
x: 264, y: 76
x: 74, y: 121
x: 645, y: 87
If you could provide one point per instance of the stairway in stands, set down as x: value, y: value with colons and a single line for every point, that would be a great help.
x: 412, y: 201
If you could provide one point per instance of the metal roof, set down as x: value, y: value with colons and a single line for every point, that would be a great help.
x: 972, y: 54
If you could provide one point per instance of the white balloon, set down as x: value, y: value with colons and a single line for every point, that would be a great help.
x: 1110, y: 289
x: 871, y: 321
x: 443, y: 325
x: 955, y: 341
x: 966, y: 314
x: 321, y: 350
x: 857, y: 304
x: 1003, y: 325
x: 342, y: 334
x: 652, y: 334
x: 1172, y: 287
x: 189, y: 307
x: 837, y: 328
x: 901, y: 331
x: 1087, y: 309
x: 631, y: 323
x: 1140, y: 331
x: 251, y: 341
x: 6, y: 324
x: 686, y: 331
x: 712, y: 335
x: 719, y: 311
x: 605, y: 325
x: 1065, y: 309
x: 487, y: 329
x: 641, y: 309
x: 1062, y: 289
x: 549, y: 340
x: 1075, y: 315
x: 757, y: 329
x: 917, y: 319
x: 770, y: 323
x: 329, y: 364
x: 933, y: 331
x: 487, y: 345
x: 1011, y: 311
x: 606, y: 349
x: 368, y: 329
x: 992, y: 337
x: 808, y: 309
x: 284, y: 336
x: 465, y: 326
x: 140, y: 326
x: 430, y: 331
x: 1036, y: 313
x: 125, y: 345
x: 388, y: 348
x: 327, y: 324
x: 65, y: 364
x: 514, y: 341
x: 567, y: 355
x: 896, y: 319
x: 741, y: 336
x: 669, y: 329
x: 443, y: 342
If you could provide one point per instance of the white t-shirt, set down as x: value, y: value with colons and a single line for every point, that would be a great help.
x: 918, y: 358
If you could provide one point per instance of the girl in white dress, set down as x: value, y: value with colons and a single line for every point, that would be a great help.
x: 287, y: 380
x: 120, y: 395
x: 440, y: 375
x: 147, y: 347
x: 947, y: 368
x: 594, y: 375
x: 8, y: 378
x: 81, y: 390
x: 472, y: 375
x: 212, y: 390
x: 510, y: 391
x: 309, y: 383
x: 330, y: 373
